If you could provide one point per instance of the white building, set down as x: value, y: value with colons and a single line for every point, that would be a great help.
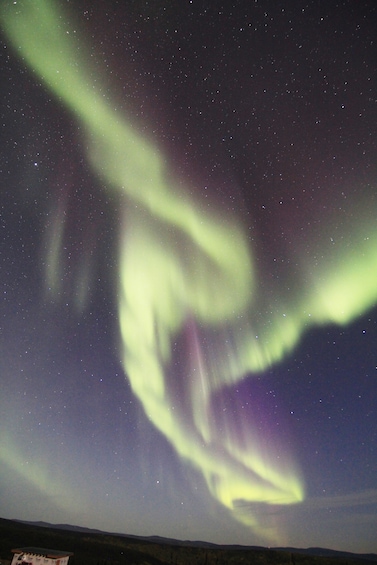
x: 39, y: 556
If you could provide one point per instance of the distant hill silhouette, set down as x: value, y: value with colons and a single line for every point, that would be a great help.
x: 95, y: 547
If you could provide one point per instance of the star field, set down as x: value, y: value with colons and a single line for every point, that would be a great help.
x: 189, y: 269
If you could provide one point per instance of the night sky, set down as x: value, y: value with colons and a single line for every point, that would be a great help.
x: 189, y: 269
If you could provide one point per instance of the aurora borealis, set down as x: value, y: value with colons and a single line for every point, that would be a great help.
x: 210, y: 286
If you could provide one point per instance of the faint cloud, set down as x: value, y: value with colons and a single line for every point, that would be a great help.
x: 363, y: 498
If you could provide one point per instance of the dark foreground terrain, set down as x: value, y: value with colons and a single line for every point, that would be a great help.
x: 98, y: 548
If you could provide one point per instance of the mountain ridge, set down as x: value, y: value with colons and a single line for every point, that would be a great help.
x: 312, y: 551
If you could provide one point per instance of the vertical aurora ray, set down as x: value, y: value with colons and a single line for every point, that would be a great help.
x: 187, y: 274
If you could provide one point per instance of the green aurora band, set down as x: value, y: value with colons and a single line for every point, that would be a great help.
x: 183, y: 270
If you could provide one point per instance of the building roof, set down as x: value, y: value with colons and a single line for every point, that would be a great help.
x: 51, y: 553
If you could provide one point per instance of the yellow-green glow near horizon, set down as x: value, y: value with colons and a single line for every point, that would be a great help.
x: 183, y: 267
